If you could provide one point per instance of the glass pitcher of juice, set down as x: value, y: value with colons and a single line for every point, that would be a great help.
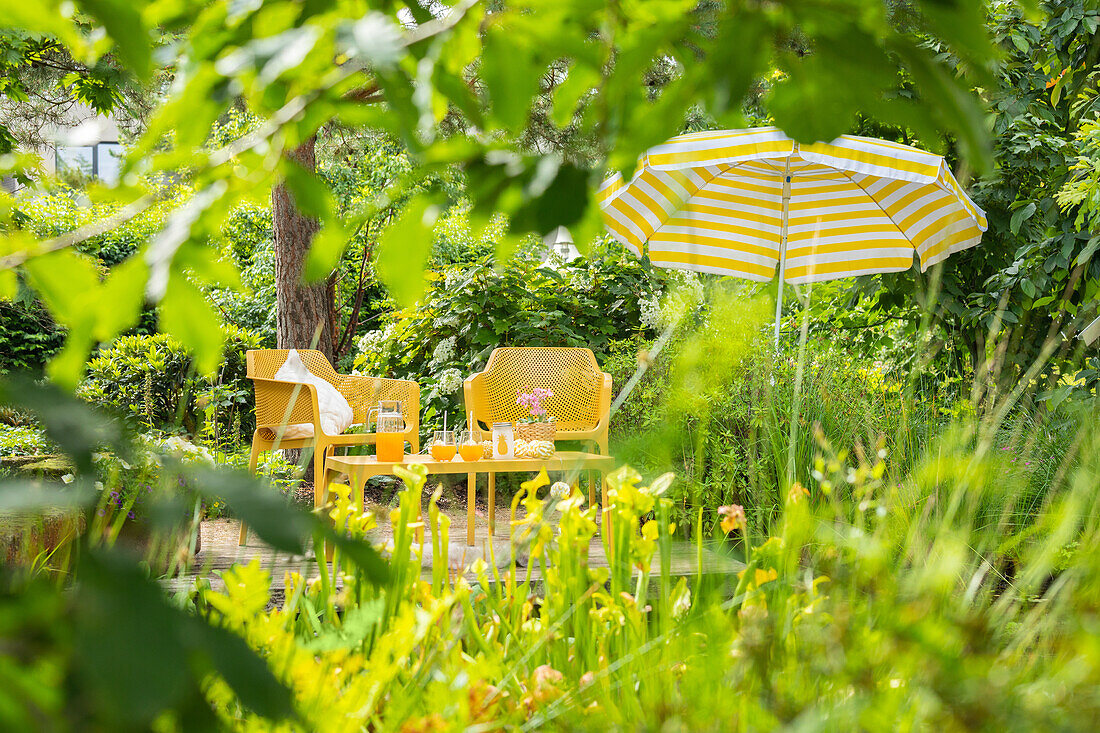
x: 389, y: 428
x: 443, y: 445
x: 469, y: 447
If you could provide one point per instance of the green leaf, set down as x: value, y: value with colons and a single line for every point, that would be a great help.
x: 122, y: 21
x: 825, y: 90
x: 1087, y: 253
x: 187, y: 115
x: 958, y: 109
x: 511, y: 75
x: 186, y: 314
x: 568, y: 94
x: 39, y: 17
x: 9, y: 285
x: 561, y: 201
x: 120, y: 298
x: 962, y: 25
x: 122, y: 611
x: 365, y: 557
x: 359, y: 623
x: 1020, y: 216
x: 66, y: 368
x: 143, y: 656
x: 245, y: 671
x: 282, y: 526
x: 325, y: 251
x: 77, y: 427
x: 403, y: 251
x: 67, y: 282
x: 162, y: 250
x: 29, y: 496
x: 735, y: 57
x: 310, y: 194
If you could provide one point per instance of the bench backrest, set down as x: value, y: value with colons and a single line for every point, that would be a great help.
x: 572, y: 374
x: 263, y: 363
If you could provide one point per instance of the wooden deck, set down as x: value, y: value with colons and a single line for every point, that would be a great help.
x: 220, y: 551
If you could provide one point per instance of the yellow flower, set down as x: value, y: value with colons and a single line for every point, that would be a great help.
x: 733, y: 517
x: 797, y: 492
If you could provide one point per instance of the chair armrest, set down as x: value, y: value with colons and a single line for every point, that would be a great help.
x: 468, y: 386
x: 285, y: 403
x: 604, y: 405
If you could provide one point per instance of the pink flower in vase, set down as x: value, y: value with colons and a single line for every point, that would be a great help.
x: 533, y: 401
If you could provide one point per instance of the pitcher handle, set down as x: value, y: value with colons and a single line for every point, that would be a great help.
x: 372, y: 411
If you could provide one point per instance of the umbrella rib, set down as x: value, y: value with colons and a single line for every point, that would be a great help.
x: 877, y: 203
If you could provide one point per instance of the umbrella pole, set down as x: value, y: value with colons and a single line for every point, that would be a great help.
x: 783, y: 242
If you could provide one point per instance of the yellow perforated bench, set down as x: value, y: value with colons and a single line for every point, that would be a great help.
x: 581, y: 404
x: 279, y: 404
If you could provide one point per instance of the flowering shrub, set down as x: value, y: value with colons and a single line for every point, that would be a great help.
x: 150, y: 379
x: 450, y: 381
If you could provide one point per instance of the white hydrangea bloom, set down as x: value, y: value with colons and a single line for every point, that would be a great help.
x: 370, y: 342
x: 452, y: 279
x: 444, y: 351
x: 695, y: 287
x: 450, y: 381
x: 445, y: 322
x: 187, y: 451
x: 650, y: 312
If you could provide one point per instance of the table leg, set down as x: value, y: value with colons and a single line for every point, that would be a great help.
x: 492, y: 505
x: 320, y: 476
x: 471, y: 500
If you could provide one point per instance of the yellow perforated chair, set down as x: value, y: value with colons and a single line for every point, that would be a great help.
x: 581, y: 404
x: 279, y: 404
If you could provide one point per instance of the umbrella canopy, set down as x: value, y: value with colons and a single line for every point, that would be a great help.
x: 750, y: 202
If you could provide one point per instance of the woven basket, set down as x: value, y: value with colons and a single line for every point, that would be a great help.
x: 536, y: 431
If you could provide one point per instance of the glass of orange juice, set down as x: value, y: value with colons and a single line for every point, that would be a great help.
x: 469, y: 447
x: 443, y: 445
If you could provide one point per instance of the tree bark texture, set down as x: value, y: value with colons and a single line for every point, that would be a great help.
x: 303, y: 313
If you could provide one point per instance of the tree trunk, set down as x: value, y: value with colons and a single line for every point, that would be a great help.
x: 305, y: 315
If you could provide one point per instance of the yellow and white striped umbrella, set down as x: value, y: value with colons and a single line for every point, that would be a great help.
x: 744, y: 202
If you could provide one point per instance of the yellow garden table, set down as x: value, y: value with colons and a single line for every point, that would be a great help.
x: 360, y: 468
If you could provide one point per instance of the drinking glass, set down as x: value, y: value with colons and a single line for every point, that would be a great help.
x: 469, y: 445
x: 443, y: 445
